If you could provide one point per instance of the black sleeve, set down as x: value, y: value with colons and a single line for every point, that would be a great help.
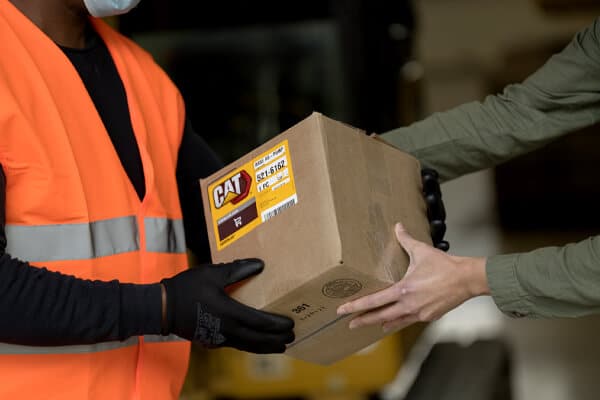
x: 196, y: 160
x: 43, y: 308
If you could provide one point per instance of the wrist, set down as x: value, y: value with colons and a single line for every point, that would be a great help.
x: 478, y: 282
x: 475, y: 276
x: 139, y: 310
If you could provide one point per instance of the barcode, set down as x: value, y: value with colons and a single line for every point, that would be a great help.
x: 268, y: 215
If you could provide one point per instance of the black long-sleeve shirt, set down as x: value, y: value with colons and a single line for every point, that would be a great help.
x: 40, y: 307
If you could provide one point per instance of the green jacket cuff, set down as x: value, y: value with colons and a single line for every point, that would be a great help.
x: 507, y: 292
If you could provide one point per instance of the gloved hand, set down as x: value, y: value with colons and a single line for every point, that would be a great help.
x: 199, y: 309
x: 436, y: 212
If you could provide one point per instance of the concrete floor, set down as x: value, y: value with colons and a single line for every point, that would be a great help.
x: 460, y: 40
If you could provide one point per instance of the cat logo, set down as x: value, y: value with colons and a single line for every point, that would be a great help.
x: 233, y: 190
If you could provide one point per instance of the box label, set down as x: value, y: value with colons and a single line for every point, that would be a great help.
x: 252, y: 194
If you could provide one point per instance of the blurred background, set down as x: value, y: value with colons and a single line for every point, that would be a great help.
x: 249, y: 70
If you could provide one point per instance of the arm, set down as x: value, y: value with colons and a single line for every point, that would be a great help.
x: 44, y: 308
x: 550, y: 282
x: 196, y: 160
x: 561, y: 97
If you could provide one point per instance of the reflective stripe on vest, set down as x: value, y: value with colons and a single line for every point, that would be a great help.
x: 10, y: 349
x: 164, y: 235
x: 67, y: 242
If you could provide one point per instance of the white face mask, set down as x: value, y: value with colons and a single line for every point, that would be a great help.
x: 108, y: 8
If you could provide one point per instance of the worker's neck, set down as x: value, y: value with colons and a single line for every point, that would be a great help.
x: 67, y: 25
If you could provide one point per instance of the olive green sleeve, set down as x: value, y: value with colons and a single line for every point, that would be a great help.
x: 548, y: 282
x: 563, y: 96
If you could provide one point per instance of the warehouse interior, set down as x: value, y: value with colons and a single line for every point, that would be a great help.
x: 251, y: 70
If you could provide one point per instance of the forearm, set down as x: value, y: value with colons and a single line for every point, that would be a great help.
x: 43, y: 308
x: 548, y: 282
x: 561, y: 97
x: 196, y: 160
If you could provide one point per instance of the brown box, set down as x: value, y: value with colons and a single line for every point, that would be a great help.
x: 318, y: 204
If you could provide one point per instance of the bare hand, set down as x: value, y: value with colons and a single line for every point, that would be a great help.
x: 434, y: 284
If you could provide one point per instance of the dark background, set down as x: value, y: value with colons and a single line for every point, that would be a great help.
x: 249, y: 70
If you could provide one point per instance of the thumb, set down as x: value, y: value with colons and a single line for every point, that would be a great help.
x: 406, y: 241
x: 239, y: 270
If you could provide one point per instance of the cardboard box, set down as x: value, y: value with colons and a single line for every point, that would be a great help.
x: 318, y: 204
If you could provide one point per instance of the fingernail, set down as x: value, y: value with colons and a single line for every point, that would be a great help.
x: 341, y: 310
x: 353, y: 325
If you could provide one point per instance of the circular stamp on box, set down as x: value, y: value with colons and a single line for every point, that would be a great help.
x: 341, y: 288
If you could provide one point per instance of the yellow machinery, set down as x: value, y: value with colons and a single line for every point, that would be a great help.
x: 227, y: 373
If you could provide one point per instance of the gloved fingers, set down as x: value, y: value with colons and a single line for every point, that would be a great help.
x: 436, y: 212
x: 443, y: 246
x: 435, y: 207
x: 260, y: 342
x: 431, y: 184
x: 239, y: 270
x: 438, y: 230
x: 258, y: 320
x: 430, y: 171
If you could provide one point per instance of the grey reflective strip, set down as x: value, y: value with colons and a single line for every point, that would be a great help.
x: 10, y: 349
x: 73, y: 241
x: 162, y: 339
x: 164, y: 235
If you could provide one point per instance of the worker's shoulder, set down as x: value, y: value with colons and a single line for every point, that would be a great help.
x: 121, y: 43
x: 139, y: 56
x: 133, y: 46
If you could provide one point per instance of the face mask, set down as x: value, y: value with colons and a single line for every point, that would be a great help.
x: 108, y: 8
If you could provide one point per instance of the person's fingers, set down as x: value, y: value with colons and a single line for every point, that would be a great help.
x: 378, y: 317
x: 239, y: 270
x: 386, y: 296
x: 260, y: 342
x: 399, y: 324
x: 372, y: 301
x: 256, y: 319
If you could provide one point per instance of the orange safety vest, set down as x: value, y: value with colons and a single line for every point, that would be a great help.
x: 72, y: 208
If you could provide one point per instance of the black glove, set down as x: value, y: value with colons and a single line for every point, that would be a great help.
x: 436, y: 212
x: 199, y: 309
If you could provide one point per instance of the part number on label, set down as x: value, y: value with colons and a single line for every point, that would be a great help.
x: 271, y: 170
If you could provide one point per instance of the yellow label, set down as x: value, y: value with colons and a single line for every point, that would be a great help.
x: 252, y: 194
